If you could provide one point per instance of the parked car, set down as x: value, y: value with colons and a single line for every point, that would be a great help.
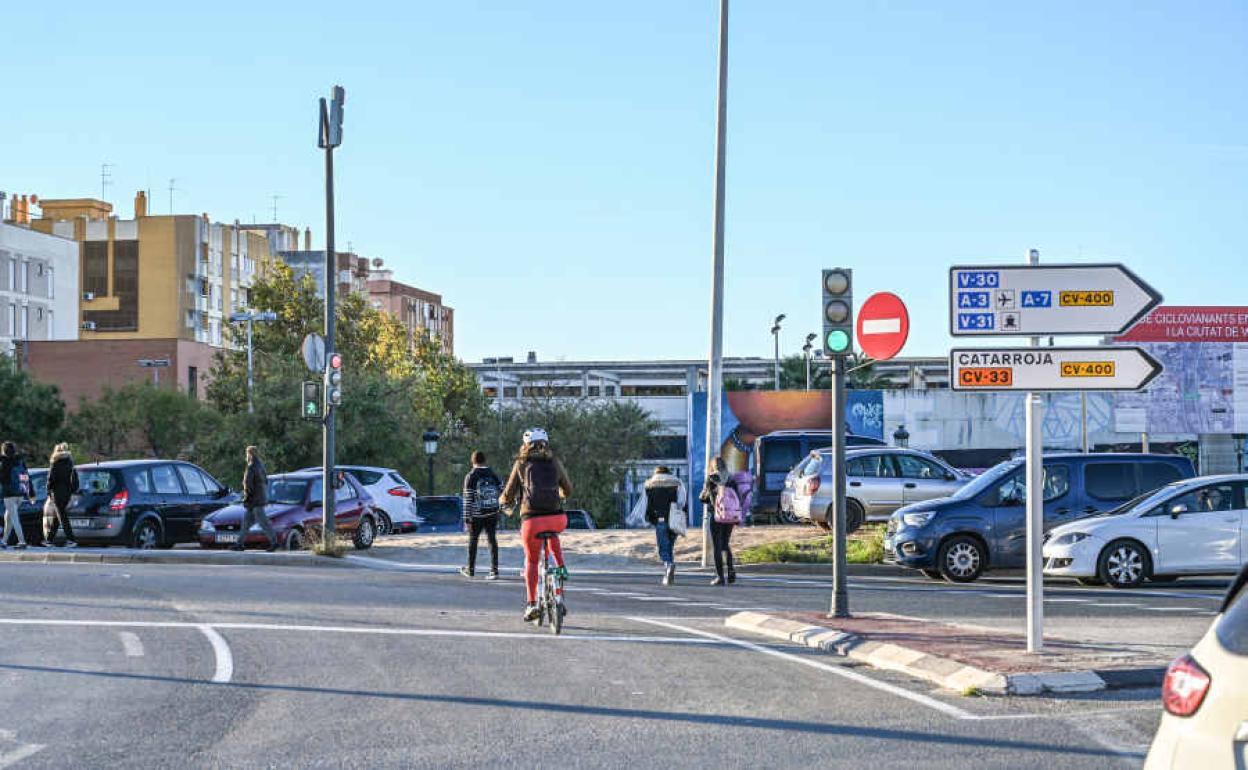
x: 295, y: 510
x: 440, y: 513
x: 580, y: 519
x: 779, y: 452
x: 393, y: 497
x: 31, y: 514
x: 1193, y: 527
x: 982, y: 525
x: 144, y: 503
x: 878, y: 482
x: 1206, y: 702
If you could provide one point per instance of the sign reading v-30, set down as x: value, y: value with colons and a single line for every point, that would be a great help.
x: 1019, y: 300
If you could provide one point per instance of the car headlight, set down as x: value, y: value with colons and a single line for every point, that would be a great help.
x: 207, y: 526
x: 916, y: 520
x: 1070, y: 538
x: 255, y: 528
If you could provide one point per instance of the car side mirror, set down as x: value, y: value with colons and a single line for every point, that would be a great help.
x: 315, y: 504
x: 1178, y: 509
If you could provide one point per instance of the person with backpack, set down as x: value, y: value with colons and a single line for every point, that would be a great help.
x: 15, y: 485
x: 539, y: 483
x: 482, y: 488
x: 62, y: 485
x: 663, y: 490
x: 729, y: 496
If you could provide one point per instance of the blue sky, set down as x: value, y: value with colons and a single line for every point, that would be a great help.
x: 547, y: 165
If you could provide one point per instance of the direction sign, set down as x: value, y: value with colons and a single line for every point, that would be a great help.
x: 1014, y: 300
x: 883, y: 325
x: 1092, y: 368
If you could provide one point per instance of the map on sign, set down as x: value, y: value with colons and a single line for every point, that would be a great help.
x: 1104, y: 368
x: 1023, y: 300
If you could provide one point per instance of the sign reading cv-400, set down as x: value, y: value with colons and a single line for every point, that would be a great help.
x: 1051, y: 369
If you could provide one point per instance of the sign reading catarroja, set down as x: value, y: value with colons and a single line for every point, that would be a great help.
x: 1052, y: 369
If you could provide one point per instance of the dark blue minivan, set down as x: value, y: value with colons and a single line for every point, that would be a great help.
x: 982, y: 526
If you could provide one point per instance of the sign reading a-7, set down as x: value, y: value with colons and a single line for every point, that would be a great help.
x: 1024, y: 300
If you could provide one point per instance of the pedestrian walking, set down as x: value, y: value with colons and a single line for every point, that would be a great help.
x: 663, y: 491
x: 482, y: 488
x: 255, y: 497
x: 62, y: 485
x: 729, y: 496
x: 15, y: 484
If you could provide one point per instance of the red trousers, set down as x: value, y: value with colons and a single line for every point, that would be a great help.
x: 529, y: 530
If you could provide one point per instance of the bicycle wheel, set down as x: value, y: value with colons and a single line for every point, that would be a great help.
x: 556, y: 610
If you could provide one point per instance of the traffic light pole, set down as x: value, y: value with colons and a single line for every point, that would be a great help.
x: 840, y: 588
x: 328, y: 523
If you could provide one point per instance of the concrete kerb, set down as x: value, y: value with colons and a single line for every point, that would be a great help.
x: 185, y: 557
x: 944, y: 672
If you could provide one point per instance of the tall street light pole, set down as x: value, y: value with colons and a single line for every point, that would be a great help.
x: 715, y: 365
x: 329, y: 138
x: 810, y: 339
x: 250, y: 317
x: 775, y: 332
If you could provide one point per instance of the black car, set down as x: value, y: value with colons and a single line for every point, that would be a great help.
x: 144, y: 503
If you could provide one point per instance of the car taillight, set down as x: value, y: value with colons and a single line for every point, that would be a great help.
x: 119, y: 501
x: 812, y: 486
x: 1185, y: 686
x: 399, y: 492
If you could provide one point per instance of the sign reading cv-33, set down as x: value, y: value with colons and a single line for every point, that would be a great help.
x: 1024, y: 300
x: 1051, y: 369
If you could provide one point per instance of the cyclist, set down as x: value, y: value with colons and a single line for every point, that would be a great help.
x: 540, y: 483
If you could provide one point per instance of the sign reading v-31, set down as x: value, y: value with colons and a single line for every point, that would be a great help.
x: 1014, y: 300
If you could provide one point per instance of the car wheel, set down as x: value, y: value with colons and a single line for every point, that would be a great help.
x: 788, y: 517
x: 961, y: 559
x: 295, y: 540
x: 146, y: 535
x: 855, y: 516
x: 934, y: 574
x: 364, y: 534
x: 1124, y: 564
x: 1089, y: 582
x: 384, y: 525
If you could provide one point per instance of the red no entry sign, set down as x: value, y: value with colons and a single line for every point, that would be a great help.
x: 883, y: 325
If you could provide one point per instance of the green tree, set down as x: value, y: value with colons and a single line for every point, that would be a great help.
x: 32, y: 413
x: 142, y: 420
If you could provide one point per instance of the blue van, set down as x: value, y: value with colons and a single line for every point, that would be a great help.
x: 775, y: 455
x: 440, y: 514
x: 983, y: 525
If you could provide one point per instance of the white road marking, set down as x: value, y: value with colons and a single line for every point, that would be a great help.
x: 130, y: 641
x: 1114, y: 604
x: 1066, y: 601
x: 1172, y: 609
x: 18, y: 753
x: 922, y: 700
x: 221, y: 649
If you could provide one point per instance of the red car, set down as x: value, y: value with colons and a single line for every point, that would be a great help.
x: 294, y: 508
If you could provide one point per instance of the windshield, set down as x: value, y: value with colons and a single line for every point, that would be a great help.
x: 986, y: 480
x: 288, y: 491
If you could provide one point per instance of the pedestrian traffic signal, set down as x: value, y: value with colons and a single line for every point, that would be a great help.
x: 333, y: 380
x: 838, y: 312
x: 311, y: 400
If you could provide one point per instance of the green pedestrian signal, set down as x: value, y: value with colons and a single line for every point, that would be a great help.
x: 312, y: 400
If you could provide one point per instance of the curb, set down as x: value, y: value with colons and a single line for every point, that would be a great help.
x: 945, y: 672
x: 131, y: 556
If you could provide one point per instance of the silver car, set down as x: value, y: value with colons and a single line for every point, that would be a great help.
x: 878, y: 482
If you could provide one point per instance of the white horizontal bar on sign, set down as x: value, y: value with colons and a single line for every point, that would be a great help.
x: 882, y: 326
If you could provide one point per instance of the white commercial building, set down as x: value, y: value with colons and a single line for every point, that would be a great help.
x: 38, y: 286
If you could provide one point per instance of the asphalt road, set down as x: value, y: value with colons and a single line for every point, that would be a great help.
x: 409, y: 666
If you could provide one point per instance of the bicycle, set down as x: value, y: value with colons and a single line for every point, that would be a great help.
x: 550, y: 603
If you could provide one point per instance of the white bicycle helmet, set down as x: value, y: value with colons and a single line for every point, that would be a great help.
x: 535, y: 434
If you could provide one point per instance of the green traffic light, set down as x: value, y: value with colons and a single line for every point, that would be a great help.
x: 838, y: 341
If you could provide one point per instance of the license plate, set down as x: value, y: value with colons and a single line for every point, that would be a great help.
x: 227, y: 537
x: 888, y: 544
x: 82, y: 523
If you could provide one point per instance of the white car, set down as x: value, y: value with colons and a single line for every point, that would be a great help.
x: 394, y: 498
x: 1193, y: 527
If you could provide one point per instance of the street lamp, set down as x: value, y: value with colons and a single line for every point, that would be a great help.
x: 431, y: 448
x: 901, y: 437
x: 251, y: 316
x: 775, y: 332
x: 810, y: 339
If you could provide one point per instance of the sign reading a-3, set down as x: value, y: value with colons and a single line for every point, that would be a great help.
x: 1116, y: 368
x: 1024, y: 300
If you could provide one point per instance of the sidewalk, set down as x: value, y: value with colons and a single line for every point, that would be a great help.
x: 172, y: 556
x: 963, y: 658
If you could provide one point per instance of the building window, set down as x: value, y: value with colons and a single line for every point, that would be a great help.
x: 25, y: 322
x: 12, y: 284
x: 594, y: 390
x: 610, y: 390
x: 51, y: 283
x: 652, y: 390
x: 192, y: 381
x: 12, y: 320
x: 95, y: 268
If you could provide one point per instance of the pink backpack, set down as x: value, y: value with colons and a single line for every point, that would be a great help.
x: 734, y: 498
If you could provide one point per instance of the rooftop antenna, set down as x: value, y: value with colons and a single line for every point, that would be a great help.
x: 172, y: 189
x: 106, y: 178
x: 275, y: 198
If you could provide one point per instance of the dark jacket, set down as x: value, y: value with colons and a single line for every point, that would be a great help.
x: 470, y: 490
x: 515, y: 482
x: 10, y: 469
x: 255, y: 485
x: 62, y: 479
x: 662, y: 490
x: 710, y: 489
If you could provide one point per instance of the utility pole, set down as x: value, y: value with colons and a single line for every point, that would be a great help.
x: 106, y: 178
x: 330, y: 137
x: 275, y: 198
x: 715, y: 366
x: 171, y: 191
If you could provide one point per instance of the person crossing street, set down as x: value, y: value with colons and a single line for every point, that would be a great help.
x: 255, y: 497
x: 482, y: 488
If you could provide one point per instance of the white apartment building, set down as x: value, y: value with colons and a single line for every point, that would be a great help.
x: 38, y: 286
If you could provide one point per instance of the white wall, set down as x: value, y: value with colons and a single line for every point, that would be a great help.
x: 58, y: 254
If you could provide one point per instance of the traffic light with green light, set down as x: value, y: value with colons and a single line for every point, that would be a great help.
x: 838, y: 312
x: 311, y: 400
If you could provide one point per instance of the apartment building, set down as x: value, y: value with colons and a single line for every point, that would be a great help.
x: 421, y: 312
x: 38, y: 281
